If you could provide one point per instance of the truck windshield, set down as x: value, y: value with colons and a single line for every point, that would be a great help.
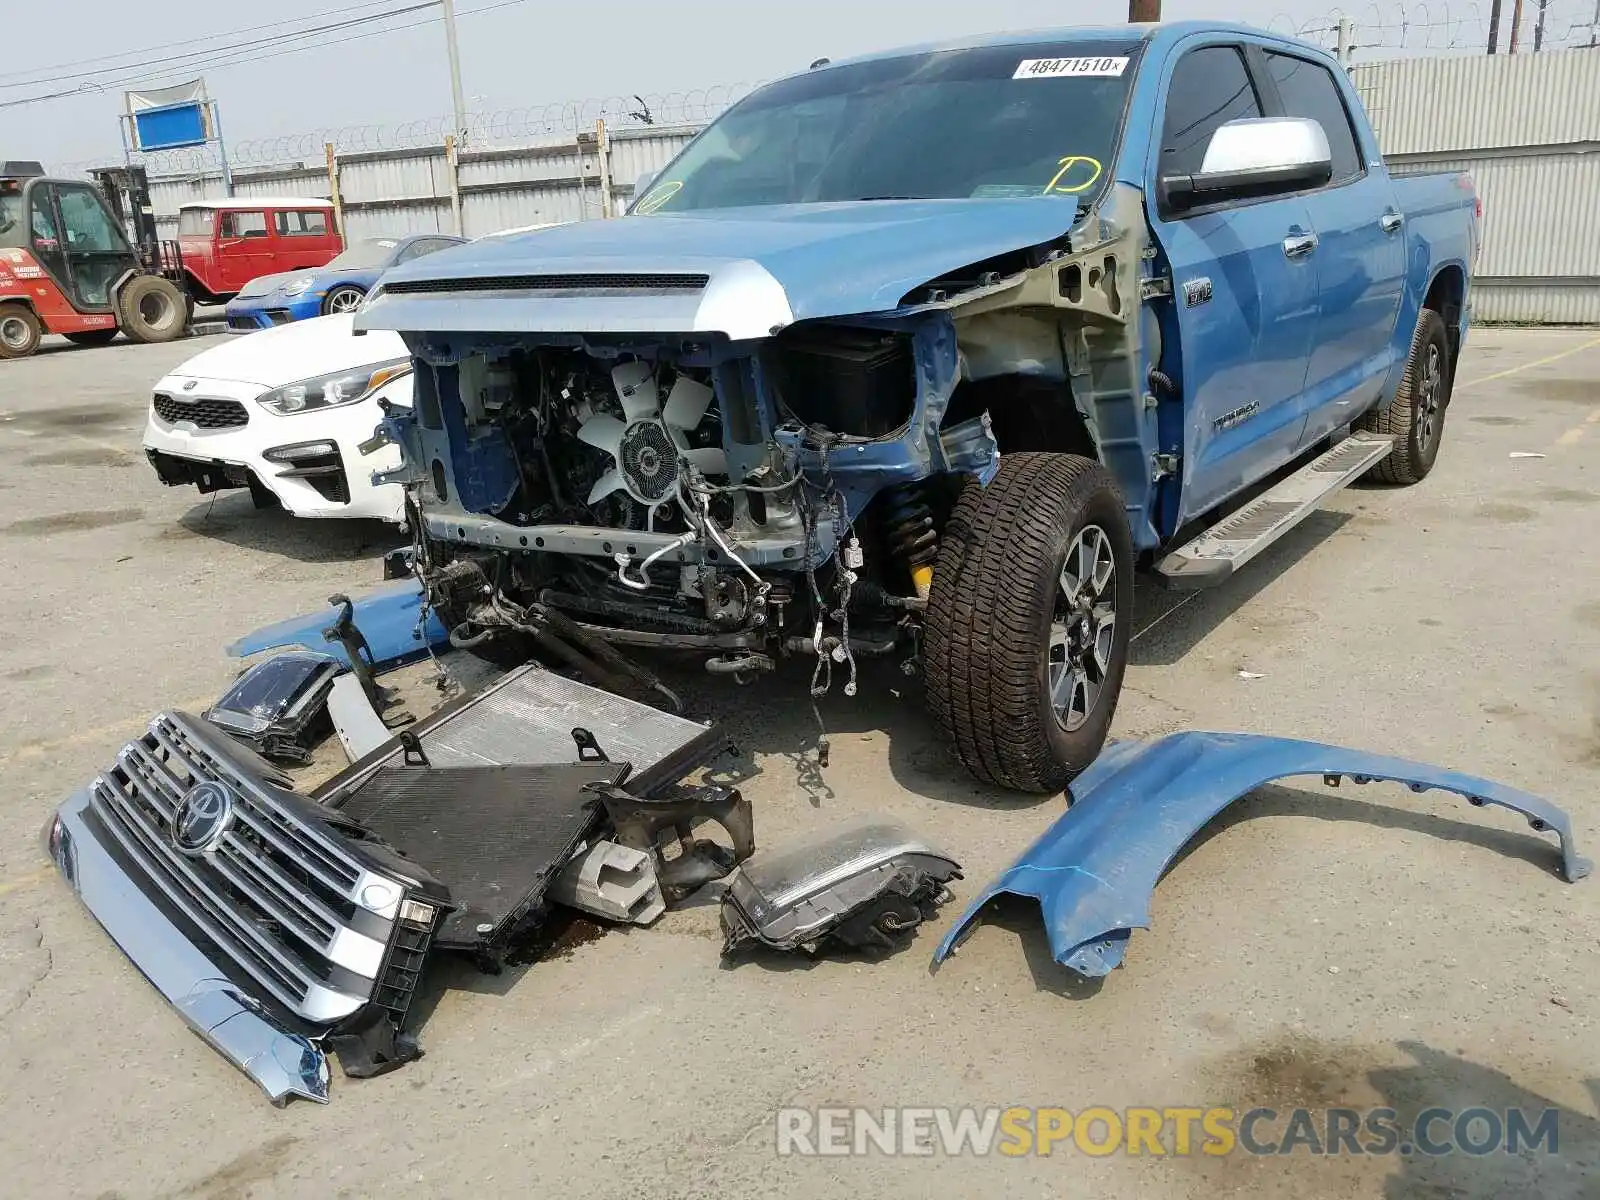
x: 993, y: 121
x: 10, y: 210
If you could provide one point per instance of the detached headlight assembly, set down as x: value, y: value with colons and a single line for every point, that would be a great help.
x: 299, y: 284
x: 330, y: 391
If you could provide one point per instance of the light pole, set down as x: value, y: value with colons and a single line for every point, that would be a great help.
x: 454, y: 52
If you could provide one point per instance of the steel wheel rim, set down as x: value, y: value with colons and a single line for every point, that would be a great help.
x: 14, y: 332
x: 155, y: 309
x: 1430, y: 389
x: 343, y: 300
x: 1083, y: 629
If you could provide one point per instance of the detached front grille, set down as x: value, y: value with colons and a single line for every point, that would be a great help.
x: 275, y: 892
x: 204, y: 413
x: 577, y: 284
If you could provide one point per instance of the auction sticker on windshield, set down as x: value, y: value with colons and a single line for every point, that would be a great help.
x: 1055, y: 68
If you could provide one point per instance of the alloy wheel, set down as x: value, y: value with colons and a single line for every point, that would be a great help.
x: 1082, y: 628
x: 1430, y: 396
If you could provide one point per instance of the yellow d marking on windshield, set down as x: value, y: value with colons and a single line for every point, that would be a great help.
x: 657, y: 196
x: 1066, y: 165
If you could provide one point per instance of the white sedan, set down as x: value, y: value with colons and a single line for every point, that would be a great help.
x: 284, y: 412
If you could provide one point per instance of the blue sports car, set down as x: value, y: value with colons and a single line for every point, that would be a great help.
x: 338, y: 287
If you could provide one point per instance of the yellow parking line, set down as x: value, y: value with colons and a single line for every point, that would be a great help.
x: 99, y: 443
x: 1528, y: 366
x: 1575, y: 435
x: 19, y: 882
x: 30, y: 750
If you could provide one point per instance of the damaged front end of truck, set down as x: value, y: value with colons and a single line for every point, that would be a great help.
x: 739, y: 431
x: 723, y: 489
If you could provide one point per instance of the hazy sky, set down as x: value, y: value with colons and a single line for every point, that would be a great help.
x: 522, y: 53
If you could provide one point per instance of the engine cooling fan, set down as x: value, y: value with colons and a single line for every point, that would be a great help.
x: 648, y: 442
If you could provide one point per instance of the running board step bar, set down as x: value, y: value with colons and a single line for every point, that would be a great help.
x: 1236, y: 539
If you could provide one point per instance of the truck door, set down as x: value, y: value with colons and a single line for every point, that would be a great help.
x: 1244, y: 291
x: 243, y: 248
x: 96, y: 250
x: 1360, y: 254
x: 44, y: 236
x: 304, y: 239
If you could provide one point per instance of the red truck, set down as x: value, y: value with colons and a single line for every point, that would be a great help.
x: 226, y: 243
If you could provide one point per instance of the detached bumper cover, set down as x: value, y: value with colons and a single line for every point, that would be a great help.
x: 1139, y: 803
x: 282, y: 1062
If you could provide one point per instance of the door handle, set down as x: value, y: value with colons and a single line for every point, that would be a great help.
x: 1298, y: 245
x: 1390, y: 221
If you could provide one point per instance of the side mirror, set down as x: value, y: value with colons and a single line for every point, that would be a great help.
x: 1255, y: 156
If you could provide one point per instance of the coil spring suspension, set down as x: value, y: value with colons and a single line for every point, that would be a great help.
x: 912, y: 536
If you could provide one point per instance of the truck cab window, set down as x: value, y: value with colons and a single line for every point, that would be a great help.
x: 301, y: 223
x: 41, y: 224
x: 88, y: 228
x: 1209, y: 88
x: 1307, y: 89
x: 195, y: 222
x: 243, y: 225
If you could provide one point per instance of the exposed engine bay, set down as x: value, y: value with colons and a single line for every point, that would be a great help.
x: 600, y: 462
x: 784, y: 501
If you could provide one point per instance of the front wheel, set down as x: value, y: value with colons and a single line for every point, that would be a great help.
x: 20, y: 331
x: 342, y: 299
x: 1026, y: 634
x: 152, y: 309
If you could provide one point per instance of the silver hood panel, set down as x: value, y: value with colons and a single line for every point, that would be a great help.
x: 739, y: 300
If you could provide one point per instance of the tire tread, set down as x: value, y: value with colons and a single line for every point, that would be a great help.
x: 980, y: 652
x: 1402, y: 466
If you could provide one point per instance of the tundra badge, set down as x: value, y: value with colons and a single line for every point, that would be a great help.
x: 1229, y: 419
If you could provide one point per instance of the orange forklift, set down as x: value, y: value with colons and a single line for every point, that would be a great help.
x: 67, y: 266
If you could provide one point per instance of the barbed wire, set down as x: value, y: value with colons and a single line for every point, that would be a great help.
x: 499, y: 129
x: 1426, y: 26
x: 1376, y: 30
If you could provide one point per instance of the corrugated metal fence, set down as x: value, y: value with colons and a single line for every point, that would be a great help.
x: 1527, y: 128
x: 392, y: 192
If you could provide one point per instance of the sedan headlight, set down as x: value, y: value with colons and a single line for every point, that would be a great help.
x: 298, y: 284
x: 330, y: 391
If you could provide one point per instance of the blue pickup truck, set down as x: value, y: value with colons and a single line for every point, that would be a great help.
x: 924, y: 354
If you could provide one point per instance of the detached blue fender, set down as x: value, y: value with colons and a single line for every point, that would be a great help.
x: 389, y: 617
x: 1139, y: 803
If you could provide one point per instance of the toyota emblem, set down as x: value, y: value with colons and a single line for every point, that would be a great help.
x: 202, y: 817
